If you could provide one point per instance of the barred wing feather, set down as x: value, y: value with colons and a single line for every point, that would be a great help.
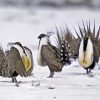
x: 51, y: 57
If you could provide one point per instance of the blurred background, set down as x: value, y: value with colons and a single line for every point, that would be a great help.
x: 24, y: 20
x: 51, y: 3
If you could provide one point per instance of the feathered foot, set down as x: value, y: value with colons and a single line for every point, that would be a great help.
x: 89, y: 73
x: 51, y: 74
x: 14, y: 80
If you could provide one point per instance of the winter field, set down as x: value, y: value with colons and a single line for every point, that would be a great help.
x: 25, y: 25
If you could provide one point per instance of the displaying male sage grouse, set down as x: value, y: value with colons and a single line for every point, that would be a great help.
x: 18, y: 61
x: 48, y: 55
x: 89, y: 49
x: 86, y: 47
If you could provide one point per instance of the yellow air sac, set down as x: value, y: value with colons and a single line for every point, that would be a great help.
x: 27, y: 62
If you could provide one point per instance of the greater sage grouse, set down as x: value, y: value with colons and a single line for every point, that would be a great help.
x: 48, y: 55
x: 16, y: 61
x: 85, y: 47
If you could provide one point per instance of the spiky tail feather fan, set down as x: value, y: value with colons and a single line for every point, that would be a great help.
x: 63, y: 48
x: 3, y: 63
x: 94, y: 38
x: 67, y: 38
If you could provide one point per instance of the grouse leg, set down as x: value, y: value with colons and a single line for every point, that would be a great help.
x: 15, y: 81
x: 89, y: 73
x: 51, y: 74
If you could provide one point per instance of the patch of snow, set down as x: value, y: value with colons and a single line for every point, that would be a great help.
x: 25, y: 26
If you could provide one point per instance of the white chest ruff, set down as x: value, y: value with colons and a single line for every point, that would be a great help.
x: 44, y: 41
x: 40, y: 61
x: 86, y: 58
x: 20, y: 50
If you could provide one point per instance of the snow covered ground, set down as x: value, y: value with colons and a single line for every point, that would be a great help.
x: 25, y: 25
